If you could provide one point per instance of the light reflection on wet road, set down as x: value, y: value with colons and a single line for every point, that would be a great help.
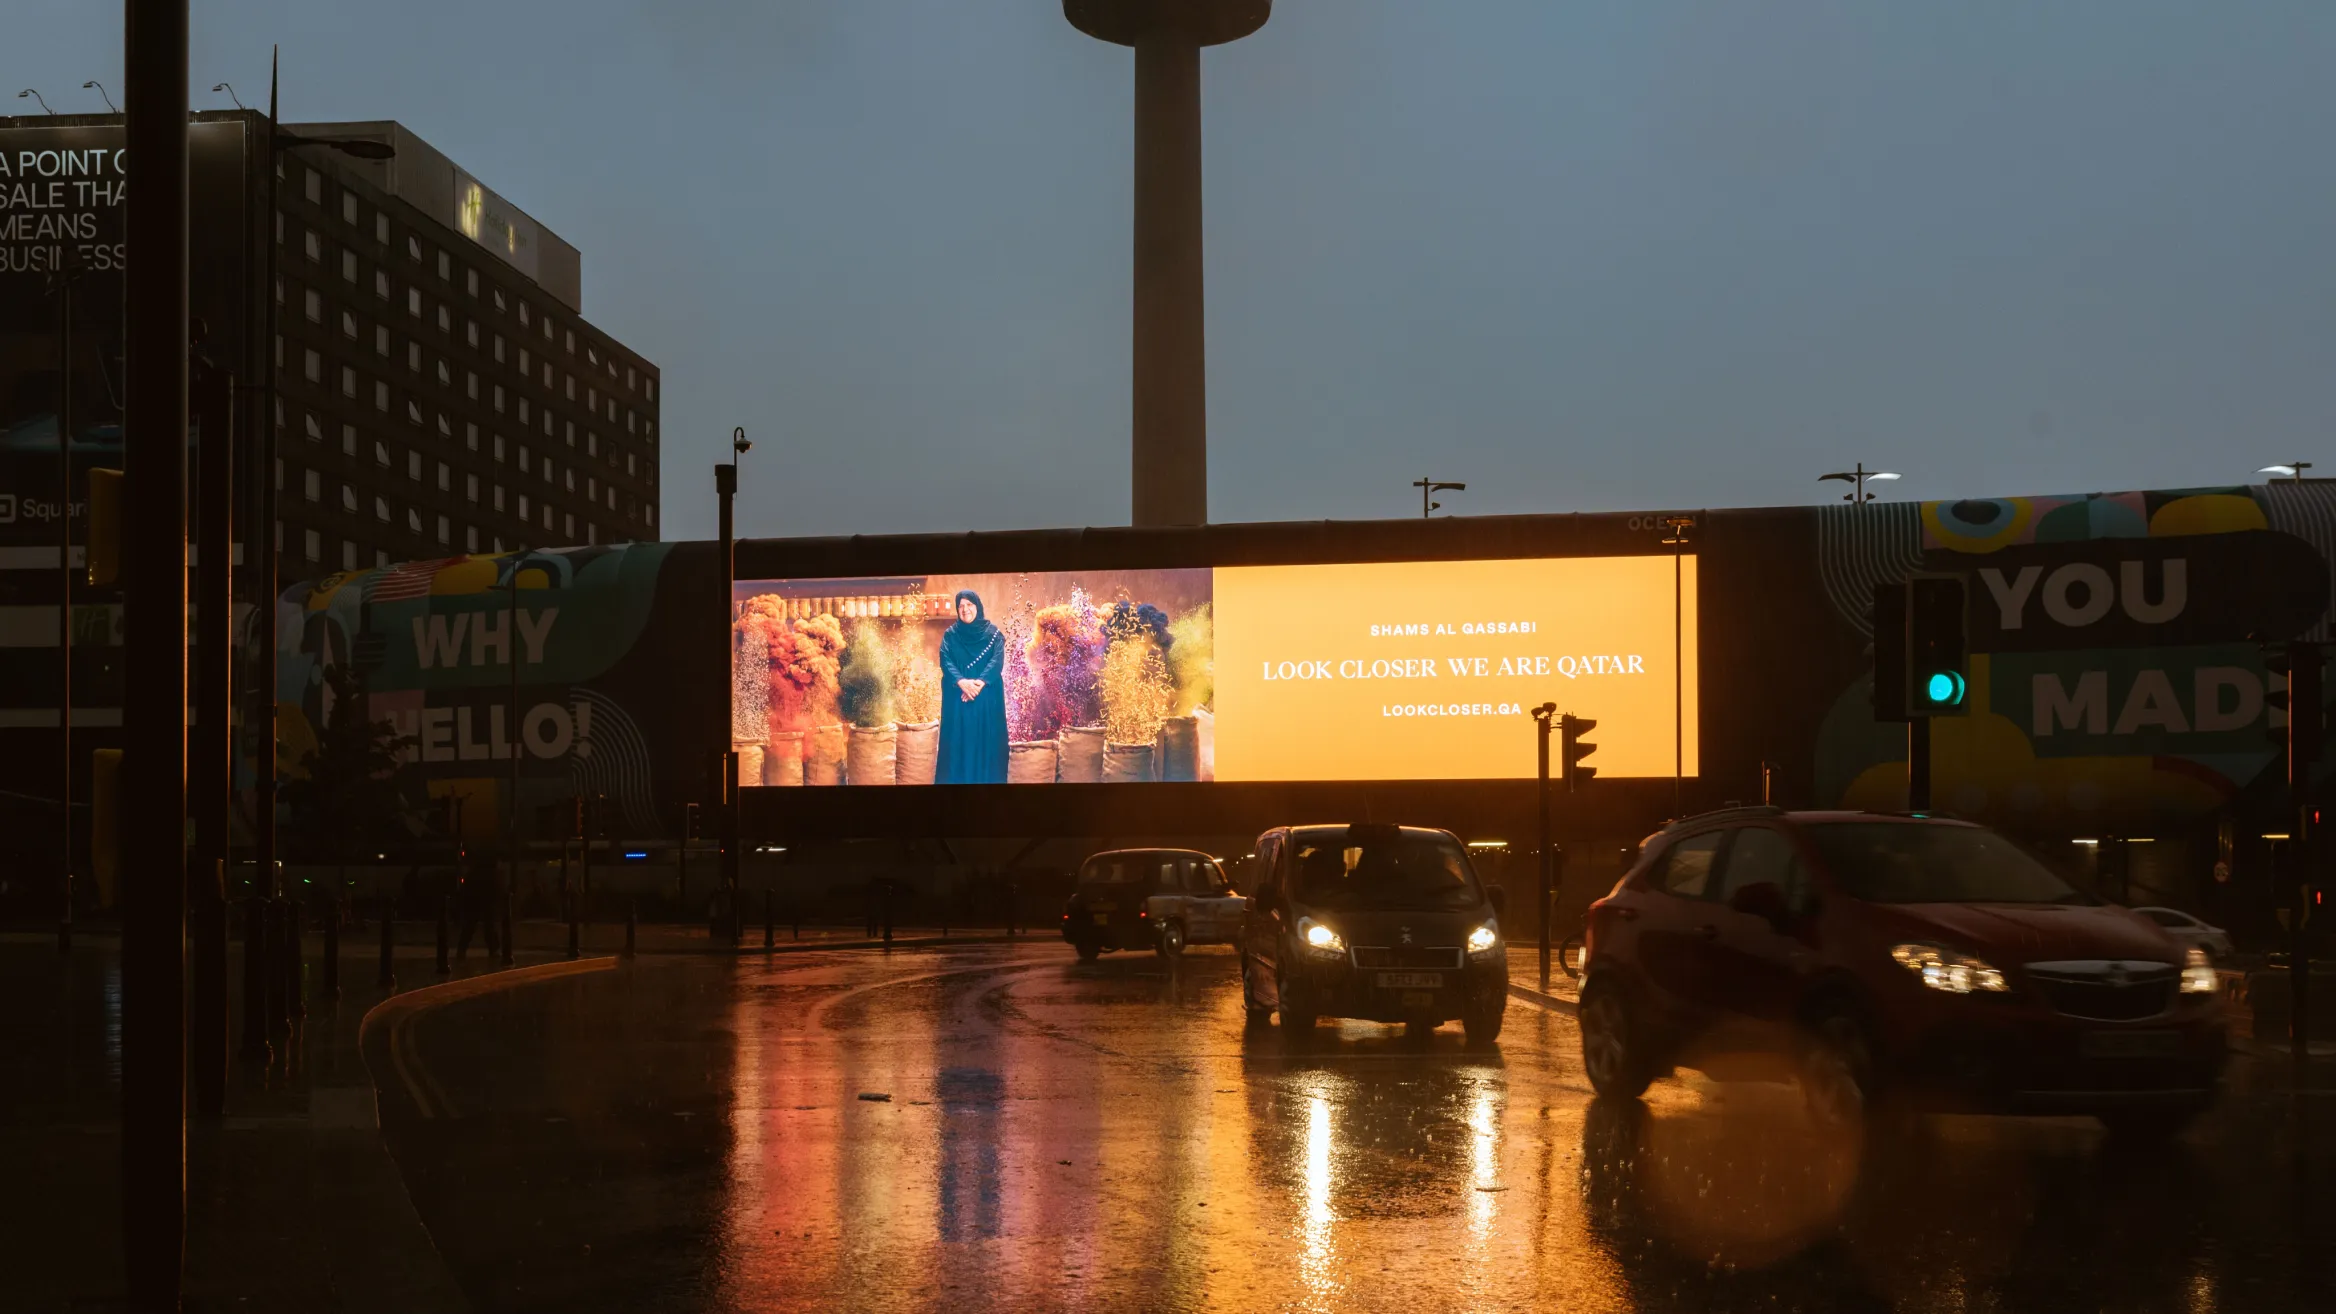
x: 689, y: 1134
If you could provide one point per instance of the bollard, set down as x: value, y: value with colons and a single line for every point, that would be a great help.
x: 510, y: 925
x: 770, y: 919
x: 65, y: 919
x: 388, y: 978
x: 332, y: 955
x: 632, y: 927
x: 271, y: 924
x: 444, y: 968
x: 295, y: 995
x: 575, y: 931
x: 884, y: 904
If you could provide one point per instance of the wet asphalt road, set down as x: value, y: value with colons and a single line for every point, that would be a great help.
x: 688, y: 1134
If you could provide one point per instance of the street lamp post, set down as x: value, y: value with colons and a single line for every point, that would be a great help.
x: 260, y: 543
x: 1675, y: 538
x: 1428, y: 488
x: 1858, y: 478
x: 726, y: 489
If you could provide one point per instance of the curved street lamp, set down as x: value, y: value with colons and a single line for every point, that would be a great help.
x: 1857, y: 479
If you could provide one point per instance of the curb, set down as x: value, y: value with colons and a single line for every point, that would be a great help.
x: 398, y: 1013
x: 900, y: 942
x: 1539, y: 999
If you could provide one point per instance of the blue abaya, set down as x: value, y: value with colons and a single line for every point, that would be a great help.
x: 973, y: 731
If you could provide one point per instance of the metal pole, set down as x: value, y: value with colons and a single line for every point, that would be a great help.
x: 511, y: 655
x: 154, y: 784
x: 1541, y: 721
x: 65, y: 279
x: 1918, y: 764
x: 264, y: 554
x: 211, y: 746
x: 726, y: 491
x: 1678, y: 676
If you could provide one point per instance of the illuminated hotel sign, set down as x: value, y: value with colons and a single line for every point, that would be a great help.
x: 495, y: 224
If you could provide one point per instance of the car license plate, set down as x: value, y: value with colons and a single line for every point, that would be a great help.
x: 1419, y: 999
x: 1102, y: 919
x: 2130, y: 1044
x: 1411, y: 980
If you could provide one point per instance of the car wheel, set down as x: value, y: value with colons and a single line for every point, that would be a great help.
x: 1613, y: 1054
x: 2145, y: 1127
x: 1837, y: 1069
x: 1088, y: 950
x: 1252, y: 1016
x: 1482, y: 1022
x: 1171, y: 942
x: 1297, y: 1008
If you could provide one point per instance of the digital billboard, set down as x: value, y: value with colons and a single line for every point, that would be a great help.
x: 1387, y: 671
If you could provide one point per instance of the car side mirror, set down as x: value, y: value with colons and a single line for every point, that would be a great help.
x: 1762, y: 899
x: 1499, y: 895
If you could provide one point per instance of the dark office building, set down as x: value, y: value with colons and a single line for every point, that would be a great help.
x: 438, y: 389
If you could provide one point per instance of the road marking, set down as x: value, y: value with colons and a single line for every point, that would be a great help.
x: 400, y: 1012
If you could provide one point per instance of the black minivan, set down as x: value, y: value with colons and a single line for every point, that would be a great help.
x: 1387, y: 923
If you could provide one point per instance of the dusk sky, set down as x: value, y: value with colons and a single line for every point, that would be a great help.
x: 1607, y: 255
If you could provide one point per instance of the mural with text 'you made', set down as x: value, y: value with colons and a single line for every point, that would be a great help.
x: 2118, y: 675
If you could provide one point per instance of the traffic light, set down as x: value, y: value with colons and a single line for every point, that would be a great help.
x: 2304, y: 702
x: 1920, y: 667
x: 1573, y: 748
x: 1938, y: 680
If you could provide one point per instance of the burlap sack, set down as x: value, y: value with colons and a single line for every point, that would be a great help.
x: 916, y: 752
x: 782, y: 758
x: 1082, y: 755
x: 868, y: 755
x: 1030, y: 762
x: 823, y: 756
x: 1126, y: 763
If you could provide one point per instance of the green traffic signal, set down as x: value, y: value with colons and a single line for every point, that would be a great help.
x: 1945, y: 688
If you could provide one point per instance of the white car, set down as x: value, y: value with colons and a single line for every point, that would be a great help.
x: 2189, y: 932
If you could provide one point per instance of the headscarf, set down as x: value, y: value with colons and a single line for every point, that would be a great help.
x: 967, y: 644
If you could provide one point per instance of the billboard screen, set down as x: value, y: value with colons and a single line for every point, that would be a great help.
x: 1386, y: 671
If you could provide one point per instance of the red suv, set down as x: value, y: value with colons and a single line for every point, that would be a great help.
x: 1894, y: 953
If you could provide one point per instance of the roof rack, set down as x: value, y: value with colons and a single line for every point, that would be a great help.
x: 1739, y: 810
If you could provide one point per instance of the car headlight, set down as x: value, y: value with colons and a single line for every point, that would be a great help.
x: 2198, y: 977
x: 1944, y: 969
x: 1484, y: 939
x: 1320, y: 940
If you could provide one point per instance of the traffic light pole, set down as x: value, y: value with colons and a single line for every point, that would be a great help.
x: 1918, y: 764
x: 2306, y: 714
x: 1542, y: 716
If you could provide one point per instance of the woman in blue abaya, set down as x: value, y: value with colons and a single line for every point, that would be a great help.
x: 973, y: 699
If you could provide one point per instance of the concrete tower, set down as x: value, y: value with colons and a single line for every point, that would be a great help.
x: 1171, y: 383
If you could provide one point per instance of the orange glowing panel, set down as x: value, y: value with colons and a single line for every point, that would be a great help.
x: 1428, y: 670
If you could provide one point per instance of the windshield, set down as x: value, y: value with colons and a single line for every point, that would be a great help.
x: 1907, y: 862
x: 1380, y: 867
